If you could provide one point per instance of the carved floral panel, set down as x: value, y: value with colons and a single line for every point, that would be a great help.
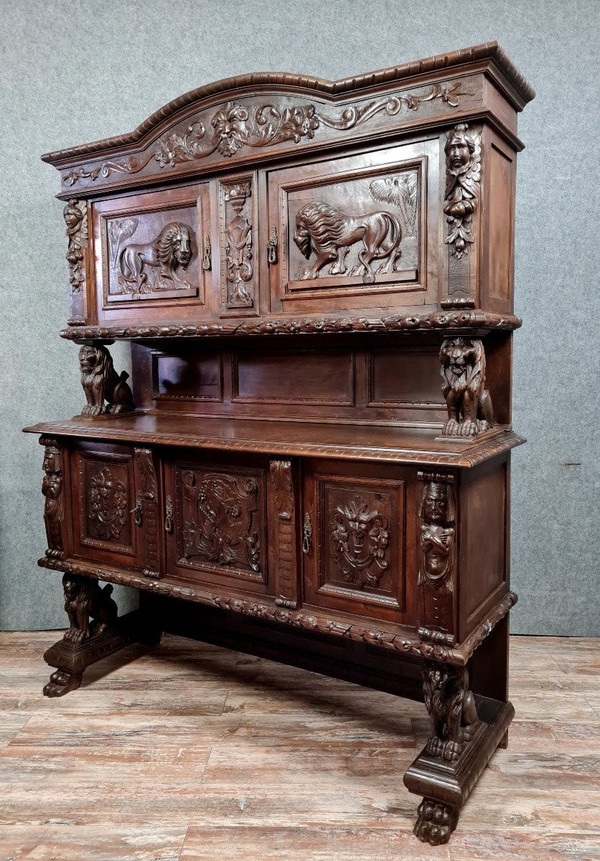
x: 220, y: 522
x: 237, y: 239
x: 106, y: 500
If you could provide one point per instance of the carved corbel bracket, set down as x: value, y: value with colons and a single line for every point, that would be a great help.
x: 101, y: 383
x: 468, y: 401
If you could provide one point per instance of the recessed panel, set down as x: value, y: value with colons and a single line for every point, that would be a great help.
x: 295, y: 377
x: 220, y: 521
x: 410, y: 378
x: 106, y: 502
x: 177, y: 377
x: 151, y: 255
x: 362, y: 230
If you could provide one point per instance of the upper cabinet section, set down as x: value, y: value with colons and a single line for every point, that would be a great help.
x: 283, y: 194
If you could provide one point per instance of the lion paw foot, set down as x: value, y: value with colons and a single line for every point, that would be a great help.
x: 435, y: 822
x: 61, y: 682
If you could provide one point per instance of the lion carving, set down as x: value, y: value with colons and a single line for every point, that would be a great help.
x: 90, y: 609
x: 171, y: 250
x: 101, y: 383
x: 468, y: 401
x: 452, y: 710
x: 330, y: 233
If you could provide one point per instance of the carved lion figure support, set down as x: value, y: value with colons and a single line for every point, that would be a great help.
x: 101, y: 383
x: 451, y: 707
x: 90, y: 609
x: 468, y: 401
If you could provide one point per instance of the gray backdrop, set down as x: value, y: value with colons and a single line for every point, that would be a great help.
x: 78, y: 71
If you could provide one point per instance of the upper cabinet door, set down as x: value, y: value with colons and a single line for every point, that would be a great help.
x: 356, y: 232
x: 153, y: 255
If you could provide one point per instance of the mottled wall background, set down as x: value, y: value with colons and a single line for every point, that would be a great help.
x: 77, y: 71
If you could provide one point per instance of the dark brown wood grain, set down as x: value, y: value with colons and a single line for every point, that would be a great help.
x: 314, y: 454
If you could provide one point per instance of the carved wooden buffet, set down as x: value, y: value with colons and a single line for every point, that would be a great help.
x: 312, y: 461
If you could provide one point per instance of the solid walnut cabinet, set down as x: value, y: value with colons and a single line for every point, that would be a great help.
x: 312, y: 461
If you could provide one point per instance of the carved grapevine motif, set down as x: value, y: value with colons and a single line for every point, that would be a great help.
x: 223, y: 529
x: 360, y: 542
x: 235, y: 126
x: 75, y: 215
x: 463, y: 174
x: 107, y: 504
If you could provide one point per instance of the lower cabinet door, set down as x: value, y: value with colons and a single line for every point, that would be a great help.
x: 358, y: 539
x: 106, y: 523
x: 216, y: 521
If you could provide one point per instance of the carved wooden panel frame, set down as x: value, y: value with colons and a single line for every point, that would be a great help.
x: 374, y: 567
x: 312, y: 208
x: 105, y: 489
x: 228, y: 534
x: 135, y: 252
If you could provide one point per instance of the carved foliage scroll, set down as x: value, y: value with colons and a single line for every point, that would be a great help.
x: 236, y: 236
x: 285, y: 534
x: 451, y: 707
x: 236, y: 126
x: 150, y: 516
x: 218, y: 520
x: 52, y: 488
x: 468, y: 401
x: 463, y: 174
x: 437, y: 549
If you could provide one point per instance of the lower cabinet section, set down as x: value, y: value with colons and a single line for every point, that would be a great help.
x: 373, y: 541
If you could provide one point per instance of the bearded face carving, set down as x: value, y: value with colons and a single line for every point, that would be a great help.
x: 361, y: 538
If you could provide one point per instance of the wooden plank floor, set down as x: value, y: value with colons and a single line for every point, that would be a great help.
x: 190, y: 752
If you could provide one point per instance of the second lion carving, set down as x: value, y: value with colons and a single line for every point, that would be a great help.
x: 101, y: 383
x: 330, y: 233
x: 464, y: 387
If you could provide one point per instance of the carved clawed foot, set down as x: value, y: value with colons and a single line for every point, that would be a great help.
x: 61, y: 682
x: 91, y: 410
x: 75, y: 635
x: 435, y: 822
x: 444, y: 748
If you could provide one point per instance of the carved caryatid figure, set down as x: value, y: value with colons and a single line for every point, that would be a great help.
x: 101, y: 383
x: 53, y: 506
x: 464, y: 387
x: 329, y: 233
x: 75, y: 215
x: 171, y: 250
x: 463, y: 172
x: 360, y: 543
x: 90, y: 609
x: 437, y: 535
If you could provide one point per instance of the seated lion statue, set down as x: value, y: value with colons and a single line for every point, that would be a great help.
x: 90, y: 609
x: 101, y: 383
x: 468, y: 401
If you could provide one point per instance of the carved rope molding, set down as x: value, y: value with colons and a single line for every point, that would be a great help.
x: 471, y: 319
x: 319, y: 622
x: 235, y: 126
